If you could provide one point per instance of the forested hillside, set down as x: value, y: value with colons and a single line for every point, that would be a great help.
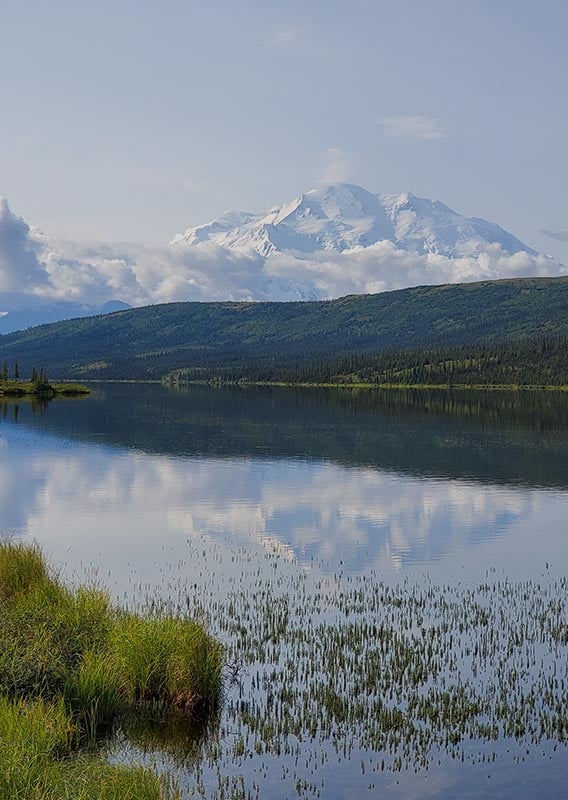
x: 270, y: 340
x: 531, y: 362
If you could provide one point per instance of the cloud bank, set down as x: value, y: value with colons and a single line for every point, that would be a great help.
x: 35, y: 269
x: 20, y: 267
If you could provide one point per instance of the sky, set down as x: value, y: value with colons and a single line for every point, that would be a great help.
x: 127, y: 120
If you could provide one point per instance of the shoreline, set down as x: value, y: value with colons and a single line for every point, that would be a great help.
x: 387, y: 386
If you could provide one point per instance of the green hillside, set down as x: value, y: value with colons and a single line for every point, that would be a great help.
x: 152, y: 341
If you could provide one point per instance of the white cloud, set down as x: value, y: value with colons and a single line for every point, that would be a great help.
x: 384, y: 266
x: 337, y: 166
x: 207, y: 271
x: 286, y: 37
x: 94, y: 273
x: 35, y: 269
x: 20, y: 268
x: 415, y: 128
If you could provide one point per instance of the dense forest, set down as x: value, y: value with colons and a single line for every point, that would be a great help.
x: 536, y: 362
x: 511, y: 331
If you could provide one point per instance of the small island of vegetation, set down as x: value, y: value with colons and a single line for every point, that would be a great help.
x: 38, y: 385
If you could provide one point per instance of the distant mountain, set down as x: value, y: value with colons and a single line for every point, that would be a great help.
x: 332, y: 241
x: 343, y: 217
x: 151, y: 341
x: 39, y: 312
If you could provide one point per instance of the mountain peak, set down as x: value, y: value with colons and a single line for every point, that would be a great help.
x: 342, y: 217
x: 332, y: 240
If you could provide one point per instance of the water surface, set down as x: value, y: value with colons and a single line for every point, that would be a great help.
x: 216, y: 493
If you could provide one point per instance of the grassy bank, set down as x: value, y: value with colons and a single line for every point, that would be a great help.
x: 41, y: 390
x: 71, y: 665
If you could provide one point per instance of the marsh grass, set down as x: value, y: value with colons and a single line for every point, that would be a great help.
x: 94, y: 693
x: 32, y: 736
x: 71, y: 665
x: 35, y: 761
x: 21, y: 568
x: 168, y: 660
x: 91, y: 779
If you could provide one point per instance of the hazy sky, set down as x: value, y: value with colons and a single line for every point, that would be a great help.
x: 134, y: 120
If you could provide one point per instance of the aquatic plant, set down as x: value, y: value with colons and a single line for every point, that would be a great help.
x: 396, y: 678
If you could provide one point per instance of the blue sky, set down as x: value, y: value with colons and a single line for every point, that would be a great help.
x: 134, y: 120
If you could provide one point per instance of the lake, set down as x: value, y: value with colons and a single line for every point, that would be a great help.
x: 386, y: 568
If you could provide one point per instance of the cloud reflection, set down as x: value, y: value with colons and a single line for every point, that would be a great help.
x: 311, y: 513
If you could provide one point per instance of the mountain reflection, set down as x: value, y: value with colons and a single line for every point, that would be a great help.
x: 518, y: 438
x: 341, y: 483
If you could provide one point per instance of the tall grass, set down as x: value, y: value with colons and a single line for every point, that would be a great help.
x: 71, y: 664
x: 35, y: 764
x: 21, y: 567
x: 168, y: 661
x: 32, y: 735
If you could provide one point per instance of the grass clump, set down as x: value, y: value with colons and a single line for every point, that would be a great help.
x: 168, y: 661
x: 92, y: 779
x: 21, y: 568
x: 32, y: 735
x: 47, y: 628
x: 37, y: 763
x: 72, y: 665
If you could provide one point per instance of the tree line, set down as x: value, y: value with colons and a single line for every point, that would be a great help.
x: 37, y: 377
x: 541, y: 361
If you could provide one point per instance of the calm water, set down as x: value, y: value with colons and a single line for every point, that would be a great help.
x: 217, y: 494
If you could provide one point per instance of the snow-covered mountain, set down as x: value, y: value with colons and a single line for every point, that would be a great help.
x: 332, y: 241
x: 343, y: 217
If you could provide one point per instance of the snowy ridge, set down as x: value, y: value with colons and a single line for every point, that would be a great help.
x: 343, y: 217
x: 329, y: 242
